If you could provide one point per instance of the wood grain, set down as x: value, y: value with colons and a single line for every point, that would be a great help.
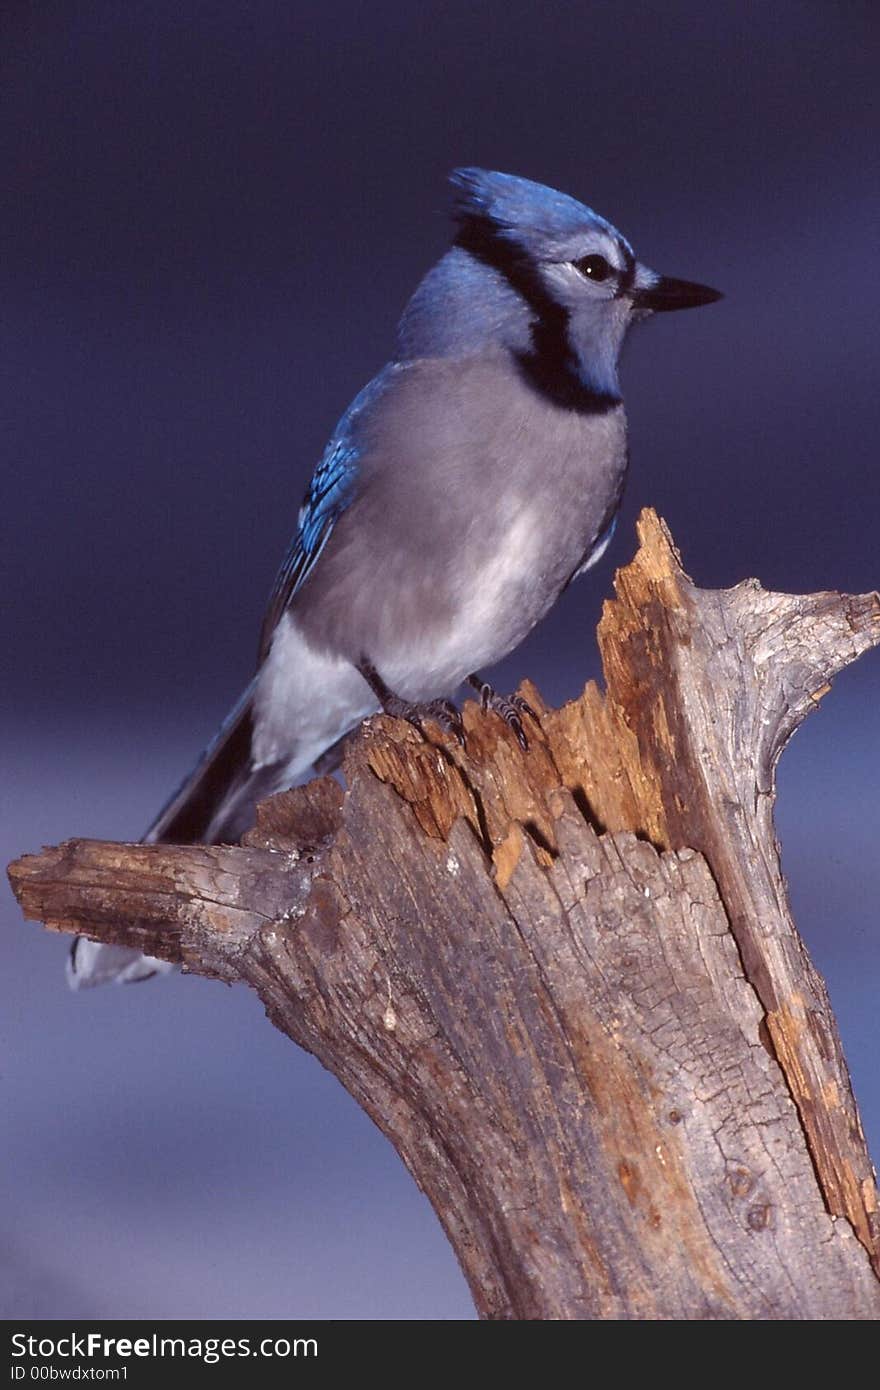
x: 566, y: 983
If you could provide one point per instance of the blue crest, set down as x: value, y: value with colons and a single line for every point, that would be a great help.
x: 531, y: 214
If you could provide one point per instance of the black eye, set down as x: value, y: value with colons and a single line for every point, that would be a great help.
x: 594, y: 267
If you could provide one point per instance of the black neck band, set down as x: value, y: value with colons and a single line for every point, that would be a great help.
x: 550, y: 365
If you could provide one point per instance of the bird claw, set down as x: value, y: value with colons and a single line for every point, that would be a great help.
x: 443, y: 712
x: 509, y: 707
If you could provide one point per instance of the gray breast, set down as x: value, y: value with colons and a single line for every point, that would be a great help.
x: 480, y: 498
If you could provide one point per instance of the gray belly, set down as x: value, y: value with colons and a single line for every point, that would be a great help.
x: 534, y: 539
x: 480, y: 501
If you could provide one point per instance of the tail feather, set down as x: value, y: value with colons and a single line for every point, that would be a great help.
x: 309, y: 703
x: 202, y: 810
x: 95, y: 963
x: 214, y: 805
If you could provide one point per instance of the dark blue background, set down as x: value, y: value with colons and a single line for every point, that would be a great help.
x: 212, y: 216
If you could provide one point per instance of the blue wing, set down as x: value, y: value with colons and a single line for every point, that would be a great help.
x: 330, y: 492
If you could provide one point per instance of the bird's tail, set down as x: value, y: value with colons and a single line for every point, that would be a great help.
x: 214, y: 805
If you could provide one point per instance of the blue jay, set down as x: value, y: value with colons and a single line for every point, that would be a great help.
x: 463, y: 489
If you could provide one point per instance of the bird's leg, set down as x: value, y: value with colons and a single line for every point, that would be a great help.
x: 443, y: 712
x: 510, y: 707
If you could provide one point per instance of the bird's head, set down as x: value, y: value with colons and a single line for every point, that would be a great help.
x: 574, y: 269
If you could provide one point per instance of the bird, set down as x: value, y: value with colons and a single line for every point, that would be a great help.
x: 465, y: 487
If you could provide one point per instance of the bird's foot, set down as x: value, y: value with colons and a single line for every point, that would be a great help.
x: 443, y: 712
x: 510, y: 707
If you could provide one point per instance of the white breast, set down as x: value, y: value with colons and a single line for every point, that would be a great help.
x: 495, y: 611
x: 305, y: 701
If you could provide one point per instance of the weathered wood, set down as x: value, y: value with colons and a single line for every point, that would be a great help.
x: 704, y: 691
x: 566, y: 984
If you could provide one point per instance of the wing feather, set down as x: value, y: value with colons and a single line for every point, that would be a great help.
x: 332, y: 489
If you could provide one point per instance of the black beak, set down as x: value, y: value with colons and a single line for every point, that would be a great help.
x: 667, y: 293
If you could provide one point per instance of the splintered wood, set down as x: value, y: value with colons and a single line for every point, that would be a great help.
x: 565, y: 983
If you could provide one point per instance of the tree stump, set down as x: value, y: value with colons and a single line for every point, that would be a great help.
x: 565, y: 983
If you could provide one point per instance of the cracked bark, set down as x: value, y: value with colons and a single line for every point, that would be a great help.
x: 566, y: 983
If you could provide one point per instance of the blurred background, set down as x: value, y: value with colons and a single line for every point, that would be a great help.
x: 212, y: 216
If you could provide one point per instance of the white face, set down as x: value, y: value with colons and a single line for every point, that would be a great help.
x: 592, y: 278
x: 591, y: 271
